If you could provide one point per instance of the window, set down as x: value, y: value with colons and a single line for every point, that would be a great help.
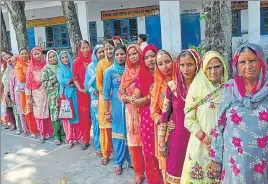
x: 126, y: 28
x: 93, y: 33
x: 264, y: 21
x: 236, y: 23
x: 57, y: 36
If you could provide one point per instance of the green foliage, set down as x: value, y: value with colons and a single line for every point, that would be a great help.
x: 204, y: 16
x: 200, y: 48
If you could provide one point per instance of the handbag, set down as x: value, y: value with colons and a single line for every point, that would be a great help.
x: 20, y: 87
x: 66, y: 109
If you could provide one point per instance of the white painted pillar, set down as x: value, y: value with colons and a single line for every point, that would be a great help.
x: 82, y: 14
x: 141, y: 25
x: 13, y: 38
x: 254, y: 22
x: 170, y: 26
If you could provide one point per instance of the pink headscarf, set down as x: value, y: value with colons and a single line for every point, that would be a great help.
x: 36, y: 66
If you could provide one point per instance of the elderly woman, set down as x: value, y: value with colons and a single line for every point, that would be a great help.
x: 201, y: 110
x: 239, y: 146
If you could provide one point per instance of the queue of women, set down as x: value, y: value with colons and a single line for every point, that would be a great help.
x: 173, y: 121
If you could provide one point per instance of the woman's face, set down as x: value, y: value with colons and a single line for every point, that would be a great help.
x: 133, y: 55
x: 64, y: 58
x: 214, y: 70
x: 8, y: 58
x: 13, y: 61
x: 100, y: 53
x: 188, y: 67
x: 24, y: 55
x: 52, y: 58
x: 249, y: 65
x: 37, y: 55
x: 109, y: 50
x: 150, y: 59
x: 120, y: 56
x: 85, y: 49
x: 164, y: 64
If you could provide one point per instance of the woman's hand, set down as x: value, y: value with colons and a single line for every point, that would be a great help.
x: 83, y: 91
x: 170, y: 126
x: 215, y: 169
x: 108, y: 117
x: 96, y: 93
x: 163, y: 149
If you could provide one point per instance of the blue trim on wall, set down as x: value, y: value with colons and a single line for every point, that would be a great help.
x: 239, y: 24
x: 262, y: 21
x: 93, y: 23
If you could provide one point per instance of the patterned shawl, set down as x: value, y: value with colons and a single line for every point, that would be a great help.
x: 205, y: 90
x: 234, y: 89
x: 54, y: 66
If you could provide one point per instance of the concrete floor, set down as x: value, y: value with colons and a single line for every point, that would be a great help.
x: 25, y: 161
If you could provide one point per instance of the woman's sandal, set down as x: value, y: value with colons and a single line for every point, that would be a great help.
x: 98, y: 154
x: 118, y: 170
x: 104, y: 161
x: 12, y: 128
x: 25, y: 134
x: 57, y: 142
x: 139, y: 179
x: 42, y: 140
x: 70, y: 145
x: 130, y: 166
x: 84, y: 146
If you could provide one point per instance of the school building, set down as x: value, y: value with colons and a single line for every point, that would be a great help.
x: 172, y: 25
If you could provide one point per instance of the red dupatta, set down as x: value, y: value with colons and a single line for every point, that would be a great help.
x: 146, y: 78
x: 36, y: 66
x: 80, y: 64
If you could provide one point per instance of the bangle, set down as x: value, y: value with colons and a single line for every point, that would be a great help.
x: 107, y: 113
x: 202, y: 137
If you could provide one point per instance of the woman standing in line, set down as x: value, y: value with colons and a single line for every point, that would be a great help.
x: 26, y: 106
x: 37, y: 95
x: 163, y: 74
x: 15, y: 98
x: 143, y: 84
x: 65, y: 78
x: 125, y: 94
x: 50, y: 83
x: 202, y: 106
x: 90, y: 86
x: 189, y: 63
x: 79, y: 70
x: 112, y: 81
x: 104, y: 125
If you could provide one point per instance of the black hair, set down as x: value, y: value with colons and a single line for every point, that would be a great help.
x: 9, y: 53
x: 110, y: 41
x: 83, y: 41
x: 120, y: 46
x: 24, y: 48
x: 143, y: 37
x: 186, y: 53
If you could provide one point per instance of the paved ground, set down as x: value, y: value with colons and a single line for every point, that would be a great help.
x: 25, y: 161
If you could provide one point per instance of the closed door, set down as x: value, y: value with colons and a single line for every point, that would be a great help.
x: 190, y: 30
x: 153, y: 30
x: 31, y: 38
